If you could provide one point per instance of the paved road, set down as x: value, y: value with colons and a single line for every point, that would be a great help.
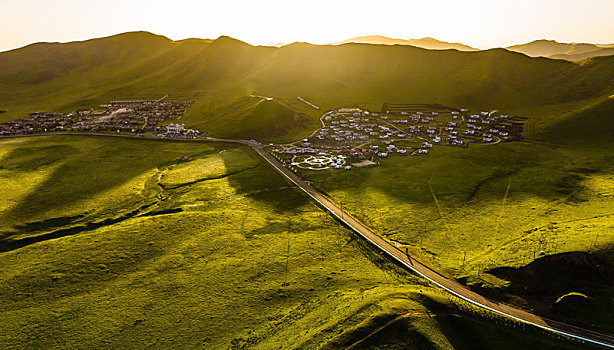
x: 415, y: 266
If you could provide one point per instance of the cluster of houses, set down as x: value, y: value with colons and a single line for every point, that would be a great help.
x: 37, y: 122
x: 175, y: 130
x: 413, y: 129
x: 128, y: 116
x: 483, y: 124
x: 132, y: 115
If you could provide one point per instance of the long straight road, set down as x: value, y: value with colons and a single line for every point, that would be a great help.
x: 439, y: 280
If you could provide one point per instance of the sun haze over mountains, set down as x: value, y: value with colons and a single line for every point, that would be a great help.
x: 536, y: 48
x: 425, y: 43
x: 479, y: 24
x: 565, y: 51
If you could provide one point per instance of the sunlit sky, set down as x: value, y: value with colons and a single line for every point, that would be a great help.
x: 479, y: 23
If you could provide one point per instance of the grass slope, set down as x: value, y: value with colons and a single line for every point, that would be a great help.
x: 228, y: 255
x: 261, y: 119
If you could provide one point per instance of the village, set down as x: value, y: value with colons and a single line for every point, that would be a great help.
x: 134, y: 117
x: 355, y: 137
x: 349, y: 137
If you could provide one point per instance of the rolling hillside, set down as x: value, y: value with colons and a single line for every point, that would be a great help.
x: 112, y: 242
x: 222, y: 75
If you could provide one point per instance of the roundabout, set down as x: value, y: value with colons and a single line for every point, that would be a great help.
x: 318, y: 162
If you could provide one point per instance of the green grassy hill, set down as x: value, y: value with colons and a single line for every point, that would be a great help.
x: 261, y: 119
x: 220, y: 75
x: 215, y: 252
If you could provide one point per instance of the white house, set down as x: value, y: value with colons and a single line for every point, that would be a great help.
x: 174, y: 128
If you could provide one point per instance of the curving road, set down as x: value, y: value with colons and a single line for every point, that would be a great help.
x: 450, y: 286
x: 415, y: 266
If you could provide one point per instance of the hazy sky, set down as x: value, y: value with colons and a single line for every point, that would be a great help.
x: 479, y: 23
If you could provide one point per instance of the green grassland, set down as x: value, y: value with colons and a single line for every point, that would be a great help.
x: 218, y: 251
x: 124, y: 241
x: 261, y: 119
x: 223, y: 75
x: 465, y: 211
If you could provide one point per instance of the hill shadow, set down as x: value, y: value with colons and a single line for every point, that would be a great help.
x: 265, y: 185
x: 593, y: 126
x: 84, y: 168
x: 464, y: 176
x: 573, y: 287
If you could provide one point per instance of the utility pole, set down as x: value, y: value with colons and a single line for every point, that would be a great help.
x: 288, y: 251
x: 594, y: 242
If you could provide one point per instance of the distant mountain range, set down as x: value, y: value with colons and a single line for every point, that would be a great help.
x: 425, y: 43
x: 537, y: 48
x: 565, y: 51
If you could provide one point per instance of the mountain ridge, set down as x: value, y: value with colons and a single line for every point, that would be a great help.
x: 557, y: 50
x: 221, y: 74
x: 567, y: 51
x: 425, y: 43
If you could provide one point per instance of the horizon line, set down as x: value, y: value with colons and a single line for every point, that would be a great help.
x: 281, y: 44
